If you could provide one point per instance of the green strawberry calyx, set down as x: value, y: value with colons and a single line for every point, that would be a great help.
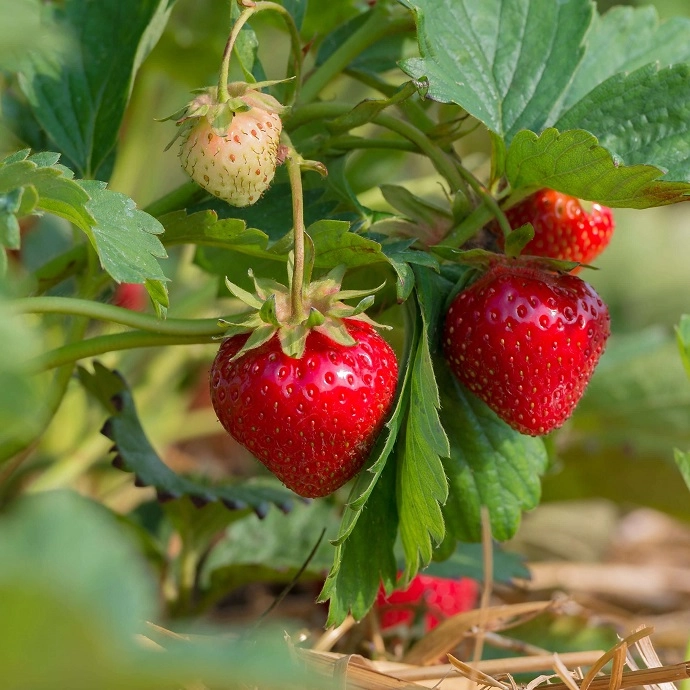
x: 324, y: 312
x: 220, y: 113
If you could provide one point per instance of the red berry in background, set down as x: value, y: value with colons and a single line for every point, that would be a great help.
x: 526, y: 341
x: 562, y: 228
x: 131, y: 296
x: 311, y: 421
x: 435, y: 597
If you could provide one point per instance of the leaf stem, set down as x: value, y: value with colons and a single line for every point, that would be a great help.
x: 109, y: 343
x: 469, y: 227
x: 488, y: 200
x: 295, y: 46
x: 125, y: 317
x: 375, y: 28
x: 294, y: 168
x: 441, y: 161
x: 179, y: 198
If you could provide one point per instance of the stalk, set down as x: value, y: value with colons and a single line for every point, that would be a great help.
x: 125, y: 317
x: 375, y: 28
x: 245, y: 15
x: 293, y: 163
x: 68, y: 354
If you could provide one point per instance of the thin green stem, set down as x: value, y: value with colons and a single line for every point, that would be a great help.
x: 125, y: 317
x: 179, y: 198
x: 74, y: 351
x: 293, y: 163
x: 375, y: 28
x: 487, y: 199
x: 295, y: 46
x: 349, y: 143
x: 469, y: 227
x: 441, y: 161
x: 223, y: 95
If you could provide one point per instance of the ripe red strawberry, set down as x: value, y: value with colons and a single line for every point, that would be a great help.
x: 310, y: 420
x: 131, y: 296
x: 230, y: 148
x: 562, y: 228
x: 435, y: 597
x: 526, y: 341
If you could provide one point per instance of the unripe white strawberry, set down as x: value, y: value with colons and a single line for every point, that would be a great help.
x: 231, y: 148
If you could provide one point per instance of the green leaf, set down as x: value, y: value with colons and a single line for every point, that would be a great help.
x: 273, y: 213
x: 641, y: 117
x: 422, y: 486
x: 626, y: 404
x: 205, y: 229
x: 572, y: 162
x: 382, y: 56
x: 80, y: 102
x: 335, y: 244
x: 365, y: 111
x: 57, y: 192
x: 468, y: 561
x: 366, y: 560
x: 610, y: 49
x: 533, y: 64
x: 136, y: 454
x: 270, y: 550
x: 489, y: 465
x: 345, y: 585
x: 124, y: 236
x: 683, y: 340
x: 76, y: 591
x: 518, y: 239
x: 246, y: 46
x: 24, y: 31
x: 507, y: 62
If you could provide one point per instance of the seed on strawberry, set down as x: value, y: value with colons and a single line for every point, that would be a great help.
x: 310, y: 420
x: 562, y: 228
x: 526, y: 341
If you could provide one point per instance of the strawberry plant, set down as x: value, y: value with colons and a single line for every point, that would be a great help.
x: 359, y: 257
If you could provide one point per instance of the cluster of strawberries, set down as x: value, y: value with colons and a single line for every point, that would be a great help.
x: 523, y: 337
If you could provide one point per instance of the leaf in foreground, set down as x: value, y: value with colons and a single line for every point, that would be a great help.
x: 574, y: 163
x: 422, y: 486
x: 136, y: 454
x: 533, y: 64
x: 77, y: 594
x: 489, y: 465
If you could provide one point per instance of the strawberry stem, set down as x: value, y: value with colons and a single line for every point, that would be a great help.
x: 295, y: 47
x: 488, y: 200
x: 294, y: 168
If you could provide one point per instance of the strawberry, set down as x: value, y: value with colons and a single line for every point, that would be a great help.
x: 526, y: 341
x: 562, y: 228
x: 312, y: 420
x: 130, y: 296
x: 230, y: 148
x: 435, y: 597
